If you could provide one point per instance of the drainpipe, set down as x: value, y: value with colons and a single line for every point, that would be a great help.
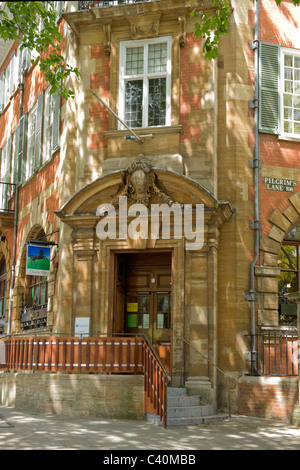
x: 13, y: 264
x: 256, y: 165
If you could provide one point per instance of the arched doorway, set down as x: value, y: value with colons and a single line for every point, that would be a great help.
x: 143, y: 298
x: 154, y: 286
x: 289, y: 279
x: 35, y: 295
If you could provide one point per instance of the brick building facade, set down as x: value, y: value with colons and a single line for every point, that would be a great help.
x: 203, y: 136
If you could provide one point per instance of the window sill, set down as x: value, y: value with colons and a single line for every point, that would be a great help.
x: 143, y: 131
x: 289, y: 138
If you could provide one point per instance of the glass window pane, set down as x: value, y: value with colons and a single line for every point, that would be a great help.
x: 297, y: 88
x: 294, y: 234
x: 288, y: 113
x: 134, y: 61
x: 288, y: 128
x: 163, y: 303
x: 297, y: 61
x: 43, y: 293
x: 296, y: 128
x: 288, y: 282
x: 288, y: 100
x: 144, y: 304
x: 157, y: 58
x: 133, y: 103
x: 297, y: 74
x: 288, y: 257
x: 288, y: 86
x: 288, y: 60
x: 157, y: 102
x: 296, y: 114
x: 288, y: 73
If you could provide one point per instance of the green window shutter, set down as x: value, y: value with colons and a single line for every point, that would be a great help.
x: 269, y: 70
x: 38, y: 133
x: 7, y: 173
x: 24, y: 58
x: 55, y: 140
x: 22, y: 149
x: 15, y: 158
x: 12, y: 74
x: 2, y: 85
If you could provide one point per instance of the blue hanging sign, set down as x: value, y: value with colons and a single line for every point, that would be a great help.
x: 38, y: 260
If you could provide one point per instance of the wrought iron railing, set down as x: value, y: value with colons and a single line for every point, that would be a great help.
x: 87, y: 5
x: 277, y: 353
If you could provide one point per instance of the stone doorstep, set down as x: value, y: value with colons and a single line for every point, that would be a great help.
x: 188, y: 421
x: 185, y: 410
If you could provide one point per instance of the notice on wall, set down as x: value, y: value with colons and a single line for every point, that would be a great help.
x: 82, y: 326
x: 38, y: 260
x: 280, y: 184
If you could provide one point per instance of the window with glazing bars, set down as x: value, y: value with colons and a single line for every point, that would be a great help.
x: 291, y: 94
x: 145, y: 82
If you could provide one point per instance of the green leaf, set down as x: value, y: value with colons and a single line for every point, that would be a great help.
x: 23, y: 21
x: 212, y: 26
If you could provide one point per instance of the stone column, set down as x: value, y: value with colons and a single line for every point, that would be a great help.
x: 84, y: 252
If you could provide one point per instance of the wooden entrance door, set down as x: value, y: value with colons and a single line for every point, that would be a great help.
x: 148, y: 300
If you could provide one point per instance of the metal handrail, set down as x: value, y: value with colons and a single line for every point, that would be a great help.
x: 229, y: 379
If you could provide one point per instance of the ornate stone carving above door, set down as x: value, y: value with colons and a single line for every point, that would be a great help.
x: 141, y: 186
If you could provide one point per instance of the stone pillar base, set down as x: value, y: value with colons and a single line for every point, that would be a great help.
x: 200, y: 386
x: 296, y: 416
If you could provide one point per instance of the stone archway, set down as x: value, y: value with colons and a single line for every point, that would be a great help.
x: 86, y: 262
x: 267, y: 274
x: 20, y: 285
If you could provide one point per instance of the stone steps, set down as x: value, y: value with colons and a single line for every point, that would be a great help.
x: 185, y: 410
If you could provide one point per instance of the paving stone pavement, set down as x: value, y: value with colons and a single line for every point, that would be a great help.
x: 21, y: 430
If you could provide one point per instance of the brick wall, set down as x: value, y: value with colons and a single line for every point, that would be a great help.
x: 280, y: 158
x: 268, y: 397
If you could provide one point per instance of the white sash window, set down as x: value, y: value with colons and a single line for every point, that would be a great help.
x: 145, y: 82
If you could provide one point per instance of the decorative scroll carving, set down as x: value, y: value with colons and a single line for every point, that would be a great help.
x: 182, y: 30
x: 141, y: 186
x: 145, y: 27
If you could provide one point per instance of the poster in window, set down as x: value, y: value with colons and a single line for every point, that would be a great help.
x: 132, y: 320
x: 132, y: 306
x: 38, y: 260
x: 160, y: 320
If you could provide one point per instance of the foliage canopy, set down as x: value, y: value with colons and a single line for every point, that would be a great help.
x: 35, y: 25
x: 22, y: 21
x: 212, y: 26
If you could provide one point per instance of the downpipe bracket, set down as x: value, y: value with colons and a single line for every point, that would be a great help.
x: 251, y: 296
